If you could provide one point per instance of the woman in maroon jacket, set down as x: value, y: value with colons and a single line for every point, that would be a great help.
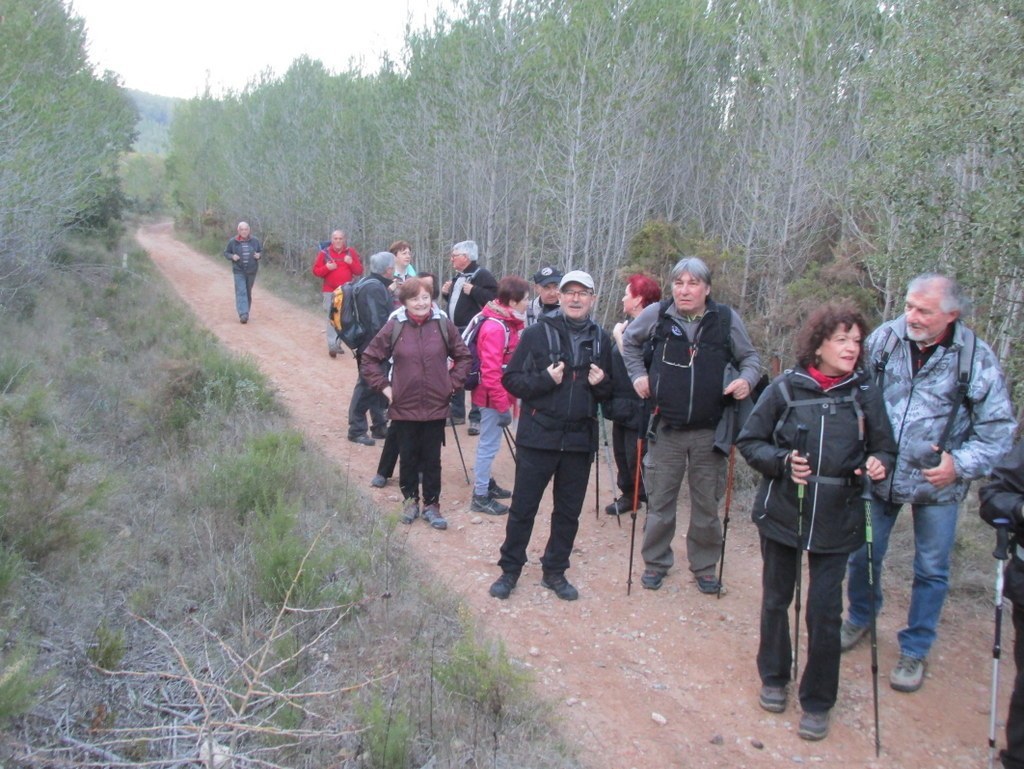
x: 419, y: 341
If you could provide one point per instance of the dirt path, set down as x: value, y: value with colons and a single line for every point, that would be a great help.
x: 611, y: 662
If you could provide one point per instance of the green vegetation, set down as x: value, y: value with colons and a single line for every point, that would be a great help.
x: 155, y: 116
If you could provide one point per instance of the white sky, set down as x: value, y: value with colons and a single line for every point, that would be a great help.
x: 175, y: 48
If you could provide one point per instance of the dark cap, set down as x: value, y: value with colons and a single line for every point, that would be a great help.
x: 547, y: 275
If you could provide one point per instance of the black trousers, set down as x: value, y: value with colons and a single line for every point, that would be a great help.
x: 389, y: 454
x: 365, y: 398
x: 419, y: 449
x: 535, y: 469
x: 1013, y: 756
x: 823, y: 599
x: 624, y: 449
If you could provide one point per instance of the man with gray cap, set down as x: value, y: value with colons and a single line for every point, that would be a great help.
x: 466, y: 293
x: 374, y: 303
x: 561, y: 369
x: 677, y: 353
x: 546, y: 280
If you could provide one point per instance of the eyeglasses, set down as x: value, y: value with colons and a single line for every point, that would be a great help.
x: 577, y: 294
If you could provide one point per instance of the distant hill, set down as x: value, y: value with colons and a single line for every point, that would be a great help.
x: 155, y: 115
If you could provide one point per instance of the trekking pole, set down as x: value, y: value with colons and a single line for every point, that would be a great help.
x: 459, y: 447
x: 1000, y: 554
x: 801, y: 449
x: 597, y: 494
x: 725, y: 518
x: 511, y: 444
x: 869, y: 544
x: 636, y: 492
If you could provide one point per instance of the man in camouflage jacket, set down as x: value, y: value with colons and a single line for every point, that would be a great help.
x: 917, y: 360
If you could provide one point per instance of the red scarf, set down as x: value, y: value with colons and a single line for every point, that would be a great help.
x: 826, y: 382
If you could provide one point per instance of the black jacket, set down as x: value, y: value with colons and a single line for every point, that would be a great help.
x: 374, y: 303
x: 1003, y: 497
x: 625, y: 408
x: 485, y: 288
x: 833, y: 510
x: 560, y: 417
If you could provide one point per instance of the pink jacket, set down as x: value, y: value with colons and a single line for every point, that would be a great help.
x: 490, y: 347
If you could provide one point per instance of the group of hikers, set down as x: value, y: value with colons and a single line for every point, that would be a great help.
x: 864, y: 423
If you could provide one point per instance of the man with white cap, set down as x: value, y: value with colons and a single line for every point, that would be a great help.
x: 561, y: 369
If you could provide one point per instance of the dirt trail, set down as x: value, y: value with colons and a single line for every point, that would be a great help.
x: 610, y: 662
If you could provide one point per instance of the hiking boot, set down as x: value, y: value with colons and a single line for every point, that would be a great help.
x: 504, y: 585
x: 379, y: 431
x: 410, y: 510
x: 243, y: 318
x: 651, y: 579
x: 379, y: 481
x: 432, y: 515
x: 485, y: 504
x: 709, y: 585
x: 474, y: 427
x: 333, y: 353
x: 494, y: 491
x: 362, y: 440
x: 619, y: 506
x: 560, y: 585
x: 850, y: 635
x: 813, y: 726
x: 908, y: 675
x: 773, y: 698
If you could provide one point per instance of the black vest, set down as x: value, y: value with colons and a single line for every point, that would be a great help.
x: 686, y: 375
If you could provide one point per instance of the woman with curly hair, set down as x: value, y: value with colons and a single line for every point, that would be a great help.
x: 812, y: 435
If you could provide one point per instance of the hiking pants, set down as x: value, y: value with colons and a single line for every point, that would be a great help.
x: 822, y: 599
x: 419, y: 446
x: 535, y: 469
x: 669, y: 457
x: 333, y: 345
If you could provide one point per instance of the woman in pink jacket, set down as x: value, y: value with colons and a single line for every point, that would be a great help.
x: 496, y: 338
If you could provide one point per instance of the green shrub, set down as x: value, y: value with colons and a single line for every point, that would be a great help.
x: 257, y: 479
x: 107, y: 649
x: 13, y: 372
x: 278, y: 553
x: 387, y: 734
x: 18, y: 683
x: 41, y: 499
x: 485, y: 676
x: 11, y: 568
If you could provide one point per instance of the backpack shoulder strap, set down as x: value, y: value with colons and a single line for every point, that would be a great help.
x: 554, y: 343
x: 891, y: 340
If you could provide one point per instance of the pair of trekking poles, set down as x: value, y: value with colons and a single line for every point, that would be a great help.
x: 866, y: 492
x: 465, y: 470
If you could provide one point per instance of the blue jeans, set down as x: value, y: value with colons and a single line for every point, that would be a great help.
x: 934, y: 535
x: 486, y: 449
x: 243, y: 291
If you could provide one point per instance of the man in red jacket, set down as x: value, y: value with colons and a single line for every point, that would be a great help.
x: 337, y: 265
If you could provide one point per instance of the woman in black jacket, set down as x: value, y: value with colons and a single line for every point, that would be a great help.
x: 832, y: 406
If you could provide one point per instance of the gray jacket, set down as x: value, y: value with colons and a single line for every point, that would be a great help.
x: 919, y: 408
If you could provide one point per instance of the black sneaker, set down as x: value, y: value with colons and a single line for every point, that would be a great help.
x: 379, y: 481
x: 243, y: 318
x: 651, y: 579
x: 485, y: 504
x: 773, y: 698
x: 619, y: 506
x: 709, y: 585
x: 504, y: 585
x: 379, y: 431
x: 560, y: 585
x: 474, y: 428
x: 813, y: 726
x: 494, y: 491
x: 362, y: 440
